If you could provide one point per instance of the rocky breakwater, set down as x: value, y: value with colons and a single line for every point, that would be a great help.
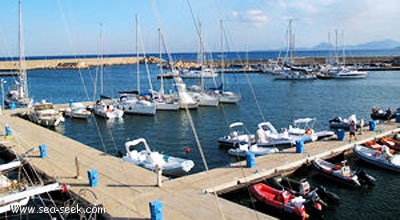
x: 76, y: 63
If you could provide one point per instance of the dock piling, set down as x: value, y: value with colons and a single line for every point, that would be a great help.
x: 159, y: 175
x: 77, y: 165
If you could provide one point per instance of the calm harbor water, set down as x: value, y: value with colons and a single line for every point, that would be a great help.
x: 262, y: 99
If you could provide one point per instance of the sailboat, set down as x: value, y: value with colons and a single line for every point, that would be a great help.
x: 100, y: 108
x: 197, y: 91
x: 288, y: 72
x: 222, y: 95
x: 18, y: 194
x: 163, y: 102
x: 341, y: 71
x: 18, y: 96
x: 135, y: 102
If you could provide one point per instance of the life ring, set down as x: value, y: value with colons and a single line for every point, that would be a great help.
x: 308, y: 131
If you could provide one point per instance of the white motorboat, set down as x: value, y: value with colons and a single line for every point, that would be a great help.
x: 343, y: 72
x: 131, y: 103
x: 198, y: 73
x: 106, y: 110
x: 378, y: 158
x: 45, y: 114
x: 77, y: 110
x: 238, y: 135
x: 166, y: 103
x: 294, y: 75
x: 268, y: 136
x: 227, y: 97
x: 171, y: 166
x: 304, y: 126
x: 204, y: 99
x: 244, y: 148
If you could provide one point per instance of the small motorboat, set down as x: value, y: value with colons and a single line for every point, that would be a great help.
x: 238, y: 135
x: 379, y: 114
x: 303, y: 188
x: 340, y: 123
x: 390, y: 142
x: 244, y: 148
x: 376, y: 146
x: 304, y: 127
x: 279, y: 199
x: 342, y: 173
x: 77, y: 110
x: 382, y: 158
x: 268, y: 136
x: 171, y: 166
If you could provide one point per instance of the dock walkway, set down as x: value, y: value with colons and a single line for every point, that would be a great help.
x: 125, y: 190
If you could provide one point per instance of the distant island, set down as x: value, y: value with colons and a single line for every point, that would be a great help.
x: 373, y: 45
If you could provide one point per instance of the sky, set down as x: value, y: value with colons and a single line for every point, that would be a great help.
x: 76, y: 27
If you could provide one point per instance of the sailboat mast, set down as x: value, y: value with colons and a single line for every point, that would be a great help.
x: 23, y: 87
x: 101, y: 59
x: 137, y: 53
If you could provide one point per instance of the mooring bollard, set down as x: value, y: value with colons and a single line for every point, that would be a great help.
x: 77, y: 165
x: 372, y: 125
x: 300, y: 146
x: 340, y: 134
x: 93, y: 178
x: 43, y: 150
x: 250, y: 159
x: 159, y: 175
x: 156, y: 210
x: 8, y: 133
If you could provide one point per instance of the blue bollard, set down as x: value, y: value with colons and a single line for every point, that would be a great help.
x: 300, y: 146
x: 8, y: 133
x: 93, y: 178
x: 340, y: 134
x: 43, y: 150
x: 398, y: 117
x: 13, y: 106
x: 250, y: 160
x: 372, y: 125
x: 156, y: 210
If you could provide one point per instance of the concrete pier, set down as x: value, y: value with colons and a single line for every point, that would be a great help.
x: 125, y: 190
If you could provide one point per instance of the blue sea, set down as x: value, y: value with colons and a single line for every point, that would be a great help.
x: 263, y: 99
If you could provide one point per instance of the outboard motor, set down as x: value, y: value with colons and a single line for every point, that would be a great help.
x: 365, y: 179
x: 327, y: 195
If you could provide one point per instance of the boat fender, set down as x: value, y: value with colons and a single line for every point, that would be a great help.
x: 308, y: 131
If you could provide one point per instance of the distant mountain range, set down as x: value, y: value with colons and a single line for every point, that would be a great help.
x: 383, y: 44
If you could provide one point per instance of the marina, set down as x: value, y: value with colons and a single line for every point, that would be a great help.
x: 126, y: 196
x: 97, y: 141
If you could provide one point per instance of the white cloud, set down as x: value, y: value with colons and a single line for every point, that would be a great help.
x: 254, y: 17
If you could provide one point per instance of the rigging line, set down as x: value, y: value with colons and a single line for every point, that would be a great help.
x: 155, y: 11
x: 251, y: 88
x: 69, y: 37
x: 144, y: 55
x: 70, y: 42
x: 27, y: 176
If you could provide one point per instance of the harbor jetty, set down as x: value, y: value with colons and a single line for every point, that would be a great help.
x: 125, y: 190
x: 75, y: 63
x: 365, y: 62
